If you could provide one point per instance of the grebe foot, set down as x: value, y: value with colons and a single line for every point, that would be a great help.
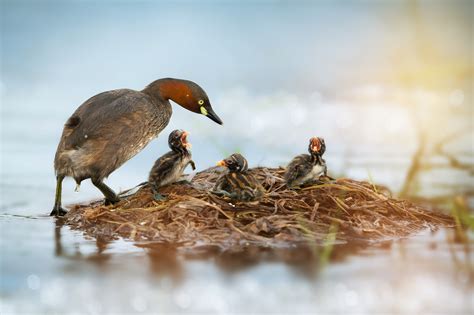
x: 109, y: 202
x: 223, y: 193
x: 58, y: 211
x: 159, y: 197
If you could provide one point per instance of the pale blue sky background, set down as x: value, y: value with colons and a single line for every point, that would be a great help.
x: 261, y: 45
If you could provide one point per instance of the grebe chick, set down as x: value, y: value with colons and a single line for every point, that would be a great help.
x: 169, y: 168
x: 238, y: 183
x: 307, y: 168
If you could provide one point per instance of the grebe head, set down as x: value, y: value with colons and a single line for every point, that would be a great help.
x: 185, y: 93
x: 178, y: 141
x: 235, y: 163
x: 316, y: 146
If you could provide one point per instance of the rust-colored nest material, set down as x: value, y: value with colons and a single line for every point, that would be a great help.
x: 191, y: 216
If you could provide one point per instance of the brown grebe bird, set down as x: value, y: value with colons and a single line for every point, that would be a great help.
x: 112, y: 127
x: 238, y: 183
x: 169, y: 168
x: 307, y: 168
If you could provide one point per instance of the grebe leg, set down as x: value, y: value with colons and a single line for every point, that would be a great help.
x: 110, y: 196
x: 58, y: 211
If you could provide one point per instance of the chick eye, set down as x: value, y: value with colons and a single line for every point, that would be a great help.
x: 200, y: 102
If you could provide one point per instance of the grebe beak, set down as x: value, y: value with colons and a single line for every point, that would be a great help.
x: 315, y: 145
x: 213, y: 116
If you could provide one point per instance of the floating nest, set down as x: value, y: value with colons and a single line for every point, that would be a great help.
x: 190, y: 216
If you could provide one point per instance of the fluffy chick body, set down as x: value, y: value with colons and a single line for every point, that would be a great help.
x: 240, y: 186
x: 305, y: 169
x: 238, y: 183
x: 169, y: 168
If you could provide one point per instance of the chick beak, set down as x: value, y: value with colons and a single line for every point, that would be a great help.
x: 213, y: 116
x: 221, y: 163
x: 316, y: 146
x: 184, y: 140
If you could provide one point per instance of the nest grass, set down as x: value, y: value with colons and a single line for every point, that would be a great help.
x: 337, y: 211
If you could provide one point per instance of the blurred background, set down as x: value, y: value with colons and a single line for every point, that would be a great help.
x: 388, y: 84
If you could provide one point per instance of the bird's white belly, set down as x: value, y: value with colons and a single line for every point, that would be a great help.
x: 176, y: 173
x: 316, y: 171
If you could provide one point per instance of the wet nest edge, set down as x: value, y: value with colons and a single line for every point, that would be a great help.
x: 190, y: 216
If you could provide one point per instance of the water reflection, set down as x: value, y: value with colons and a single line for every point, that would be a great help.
x: 429, y: 271
x: 99, y: 257
x: 165, y: 260
x: 306, y: 260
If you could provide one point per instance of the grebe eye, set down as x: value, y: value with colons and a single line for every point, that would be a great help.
x: 200, y: 102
